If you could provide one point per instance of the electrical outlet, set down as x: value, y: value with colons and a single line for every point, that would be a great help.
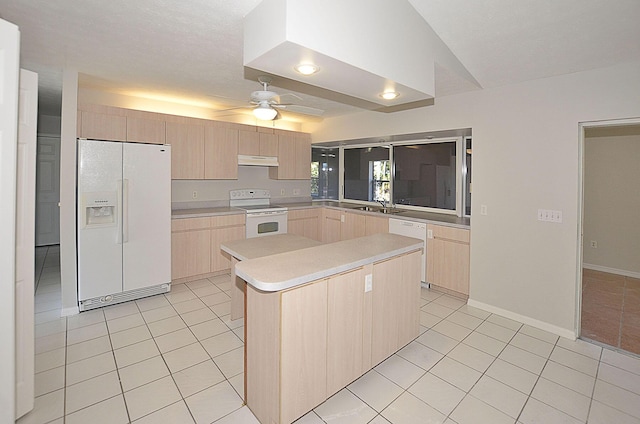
x: 429, y: 234
x: 368, y: 283
x: 194, y: 194
x: 483, y: 209
x: 281, y: 192
x: 594, y: 244
x: 296, y: 192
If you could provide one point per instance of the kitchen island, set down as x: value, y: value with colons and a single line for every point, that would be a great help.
x: 317, y: 318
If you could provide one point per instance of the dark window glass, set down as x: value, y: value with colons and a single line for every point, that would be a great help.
x: 366, y: 173
x: 324, y: 173
x: 425, y: 175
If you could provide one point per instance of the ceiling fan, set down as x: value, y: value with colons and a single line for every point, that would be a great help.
x: 265, y: 104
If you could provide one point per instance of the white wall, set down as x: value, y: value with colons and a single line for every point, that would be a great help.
x: 612, y: 202
x: 525, y: 157
x: 68, y: 272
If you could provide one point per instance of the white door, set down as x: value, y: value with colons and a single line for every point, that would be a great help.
x: 25, y: 240
x: 48, y: 191
x: 147, y: 207
x: 99, y: 220
x: 9, y: 62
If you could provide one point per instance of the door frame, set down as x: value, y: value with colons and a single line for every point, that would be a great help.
x: 582, y: 126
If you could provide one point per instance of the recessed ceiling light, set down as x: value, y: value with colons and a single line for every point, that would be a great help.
x: 307, y: 68
x: 389, y: 95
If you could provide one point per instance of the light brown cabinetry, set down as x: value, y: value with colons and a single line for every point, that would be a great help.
x: 257, y: 143
x: 306, y: 343
x: 337, y: 225
x: 294, y: 157
x: 102, y: 126
x: 187, y: 150
x: 220, y: 153
x: 396, y: 298
x: 195, y: 244
x: 331, y: 225
x: 448, y: 258
x: 224, y: 228
x: 376, y: 224
x: 190, y: 247
x: 304, y: 222
x: 146, y: 130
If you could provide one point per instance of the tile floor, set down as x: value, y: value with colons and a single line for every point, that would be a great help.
x: 611, y: 309
x: 177, y: 358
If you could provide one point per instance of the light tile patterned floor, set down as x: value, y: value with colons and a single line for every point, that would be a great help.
x: 177, y: 358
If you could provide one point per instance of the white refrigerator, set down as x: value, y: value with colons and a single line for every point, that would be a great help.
x: 124, y: 221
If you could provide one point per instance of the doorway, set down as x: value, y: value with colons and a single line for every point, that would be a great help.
x: 610, y: 242
x: 48, y: 191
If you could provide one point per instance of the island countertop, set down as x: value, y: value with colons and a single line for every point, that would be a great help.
x: 257, y: 247
x: 289, y: 269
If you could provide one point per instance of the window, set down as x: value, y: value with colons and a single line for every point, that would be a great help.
x: 367, y: 173
x: 324, y: 173
x: 434, y: 174
x: 425, y: 175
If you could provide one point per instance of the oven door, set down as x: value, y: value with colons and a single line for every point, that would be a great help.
x: 260, y: 224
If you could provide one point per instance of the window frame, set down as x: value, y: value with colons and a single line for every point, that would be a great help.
x: 460, y: 143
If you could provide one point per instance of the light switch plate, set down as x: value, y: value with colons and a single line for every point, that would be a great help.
x: 368, y: 283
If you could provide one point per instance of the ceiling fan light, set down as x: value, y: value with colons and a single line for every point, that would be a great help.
x: 389, y: 95
x: 265, y: 113
x: 307, y: 68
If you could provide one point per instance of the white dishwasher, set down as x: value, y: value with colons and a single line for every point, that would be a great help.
x: 412, y: 229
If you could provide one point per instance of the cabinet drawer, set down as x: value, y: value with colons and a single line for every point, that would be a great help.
x: 450, y: 233
x: 187, y: 224
x: 227, y: 220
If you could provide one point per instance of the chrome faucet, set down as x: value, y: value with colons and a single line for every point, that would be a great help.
x: 383, y: 202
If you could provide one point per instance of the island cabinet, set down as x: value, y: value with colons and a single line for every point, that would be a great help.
x: 304, y: 222
x: 294, y: 156
x: 195, y: 244
x: 448, y: 258
x: 305, y: 343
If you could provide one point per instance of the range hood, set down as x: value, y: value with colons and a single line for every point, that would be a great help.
x: 257, y: 160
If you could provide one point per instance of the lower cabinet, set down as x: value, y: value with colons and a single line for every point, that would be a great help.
x: 448, y: 258
x: 304, y: 222
x: 195, y: 244
x: 331, y: 224
x: 305, y: 344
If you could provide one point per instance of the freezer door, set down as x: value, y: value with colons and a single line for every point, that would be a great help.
x: 99, y: 244
x: 147, y: 210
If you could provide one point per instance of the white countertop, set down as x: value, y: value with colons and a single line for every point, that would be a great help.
x: 267, y: 245
x: 286, y: 270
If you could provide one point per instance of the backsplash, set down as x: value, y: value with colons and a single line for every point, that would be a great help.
x: 215, y: 193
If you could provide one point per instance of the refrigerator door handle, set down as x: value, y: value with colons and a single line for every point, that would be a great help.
x: 119, y: 218
x: 125, y: 210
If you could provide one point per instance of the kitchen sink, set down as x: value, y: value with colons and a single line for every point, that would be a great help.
x: 380, y: 210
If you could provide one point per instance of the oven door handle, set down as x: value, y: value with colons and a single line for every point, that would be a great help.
x: 259, y: 214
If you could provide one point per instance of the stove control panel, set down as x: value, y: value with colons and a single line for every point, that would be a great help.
x: 249, y: 194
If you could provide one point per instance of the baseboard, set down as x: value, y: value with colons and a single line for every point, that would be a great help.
x: 616, y: 271
x: 74, y: 310
x: 563, y: 332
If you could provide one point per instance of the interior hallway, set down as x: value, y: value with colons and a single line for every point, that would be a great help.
x: 611, y: 309
x: 176, y: 358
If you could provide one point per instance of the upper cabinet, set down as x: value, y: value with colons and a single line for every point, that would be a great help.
x: 294, y: 156
x: 146, y: 130
x: 220, y: 153
x: 187, y: 150
x: 201, y: 149
x: 102, y: 126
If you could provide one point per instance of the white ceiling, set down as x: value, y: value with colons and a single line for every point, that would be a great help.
x: 193, y: 48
